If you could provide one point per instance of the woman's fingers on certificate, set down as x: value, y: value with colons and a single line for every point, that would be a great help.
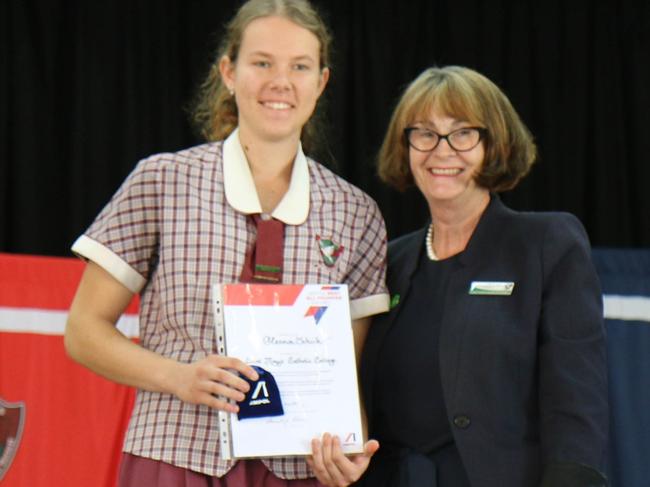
x: 200, y: 382
x: 233, y: 364
x: 332, y: 467
x: 321, y: 463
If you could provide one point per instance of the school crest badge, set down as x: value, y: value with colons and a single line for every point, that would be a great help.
x: 329, y: 250
x: 12, y: 421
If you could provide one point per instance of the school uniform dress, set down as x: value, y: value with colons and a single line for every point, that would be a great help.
x: 490, y: 367
x: 182, y: 222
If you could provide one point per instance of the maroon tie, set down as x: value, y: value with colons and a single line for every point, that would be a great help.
x: 264, y: 259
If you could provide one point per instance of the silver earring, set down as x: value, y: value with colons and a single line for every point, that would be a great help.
x: 231, y: 91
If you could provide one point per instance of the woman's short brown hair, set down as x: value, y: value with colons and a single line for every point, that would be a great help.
x: 215, y: 111
x: 463, y: 94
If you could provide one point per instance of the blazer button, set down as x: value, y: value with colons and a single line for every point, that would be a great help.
x: 461, y: 421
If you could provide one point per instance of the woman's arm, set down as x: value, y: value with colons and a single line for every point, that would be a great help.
x: 572, y: 363
x: 92, y: 339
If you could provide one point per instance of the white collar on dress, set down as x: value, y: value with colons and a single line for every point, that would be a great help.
x: 240, y: 187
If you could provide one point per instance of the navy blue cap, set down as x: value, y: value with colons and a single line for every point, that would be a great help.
x: 263, y: 398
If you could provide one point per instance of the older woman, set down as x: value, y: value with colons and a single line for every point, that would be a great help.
x: 489, y: 370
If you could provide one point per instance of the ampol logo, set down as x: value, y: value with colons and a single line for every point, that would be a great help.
x: 256, y: 400
x: 12, y: 421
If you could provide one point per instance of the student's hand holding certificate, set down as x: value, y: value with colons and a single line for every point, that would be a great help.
x: 332, y: 467
x: 212, y: 380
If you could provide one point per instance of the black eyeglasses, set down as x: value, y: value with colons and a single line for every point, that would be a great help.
x: 461, y: 140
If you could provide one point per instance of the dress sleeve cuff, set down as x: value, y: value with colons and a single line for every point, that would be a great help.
x: 89, y: 249
x: 368, y: 306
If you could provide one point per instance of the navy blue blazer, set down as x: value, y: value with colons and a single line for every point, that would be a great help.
x: 524, y: 376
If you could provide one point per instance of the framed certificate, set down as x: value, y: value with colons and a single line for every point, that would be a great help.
x: 299, y: 338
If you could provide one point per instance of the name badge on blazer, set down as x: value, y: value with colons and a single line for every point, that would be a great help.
x: 491, y: 288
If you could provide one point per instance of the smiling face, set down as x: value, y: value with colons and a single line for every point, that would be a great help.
x: 276, y: 78
x: 445, y: 175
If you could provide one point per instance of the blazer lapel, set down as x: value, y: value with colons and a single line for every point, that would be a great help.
x: 458, y: 311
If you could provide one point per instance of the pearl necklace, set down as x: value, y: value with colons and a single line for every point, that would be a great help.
x: 429, y: 244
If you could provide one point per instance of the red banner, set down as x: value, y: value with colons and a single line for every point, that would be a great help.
x: 73, y: 420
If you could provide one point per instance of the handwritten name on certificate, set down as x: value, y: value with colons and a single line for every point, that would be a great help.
x: 299, y: 338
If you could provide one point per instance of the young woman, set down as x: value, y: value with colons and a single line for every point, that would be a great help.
x: 216, y: 213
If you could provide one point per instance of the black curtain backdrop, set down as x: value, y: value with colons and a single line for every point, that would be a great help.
x: 88, y: 88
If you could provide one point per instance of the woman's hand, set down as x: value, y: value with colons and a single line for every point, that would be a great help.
x: 332, y: 467
x: 215, y: 375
